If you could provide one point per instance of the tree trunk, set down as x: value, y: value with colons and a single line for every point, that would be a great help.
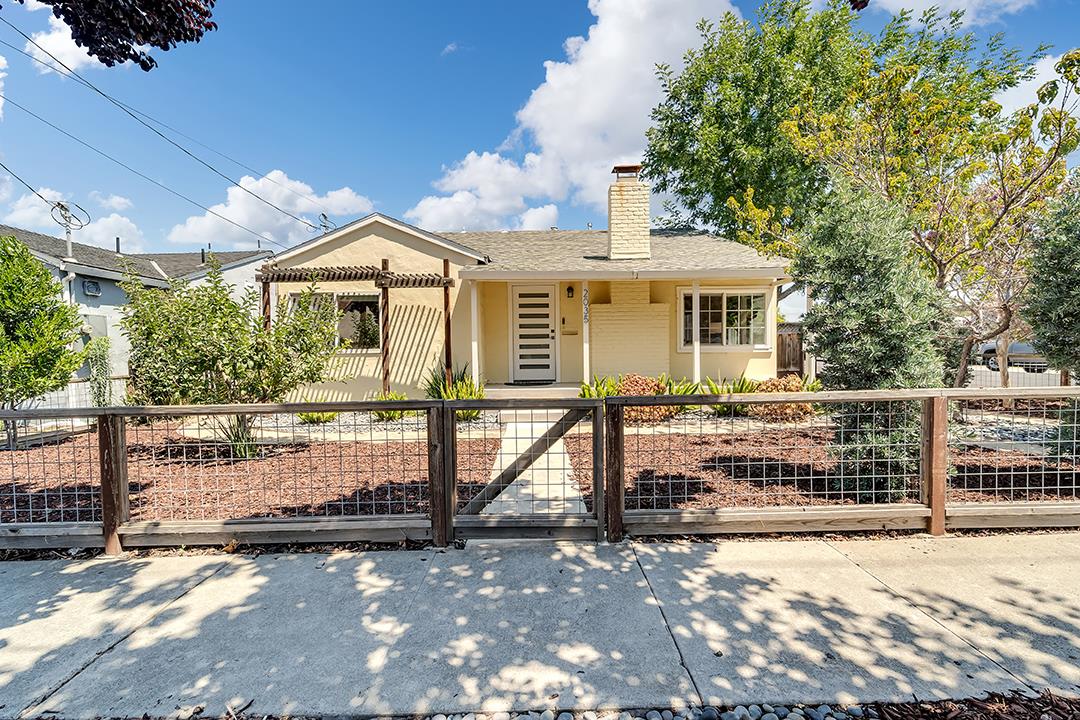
x: 1003, y: 365
x: 965, y: 362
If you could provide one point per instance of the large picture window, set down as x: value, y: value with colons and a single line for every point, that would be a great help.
x: 359, y: 323
x: 726, y: 319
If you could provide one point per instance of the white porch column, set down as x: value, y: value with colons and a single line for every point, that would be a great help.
x: 586, y: 371
x: 474, y: 333
x: 695, y: 309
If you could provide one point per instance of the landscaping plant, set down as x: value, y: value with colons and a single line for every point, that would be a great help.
x: 317, y: 417
x: 635, y: 385
x: 461, y: 387
x: 782, y: 412
x: 37, y: 331
x: 739, y: 386
x: 197, y: 344
x: 1052, y: 306
x: 600, y: 387
x: 872, y: 322
x: 97, y: 360
x: 365, y: 331
x: 389, y: 415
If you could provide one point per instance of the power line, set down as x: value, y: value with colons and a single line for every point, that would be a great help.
x: 130, y: 169
x: 157, y: 132
x: 29, y: 187
x: 170, y: 128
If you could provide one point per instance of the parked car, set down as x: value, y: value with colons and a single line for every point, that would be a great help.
x: 1021, y: 354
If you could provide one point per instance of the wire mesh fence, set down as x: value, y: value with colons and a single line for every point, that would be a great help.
x: 49, y: 471
x: 1017, y: 376
x: 1014, y: 450
x: 707, y: 454
x: 279, y: 465
x: 79, y: 393
x: 519, y: 460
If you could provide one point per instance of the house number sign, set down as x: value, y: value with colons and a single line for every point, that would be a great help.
x: 585, y: 305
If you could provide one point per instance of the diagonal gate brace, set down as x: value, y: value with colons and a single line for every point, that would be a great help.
x: 524, y: 461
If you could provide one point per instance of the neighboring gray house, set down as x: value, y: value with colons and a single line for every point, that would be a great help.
x: 90, y: 279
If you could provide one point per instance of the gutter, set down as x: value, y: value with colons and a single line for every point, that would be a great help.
x: 776, y: 275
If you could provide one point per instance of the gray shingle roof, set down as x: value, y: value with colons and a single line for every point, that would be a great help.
x: 585, y: 251
x: 180, y: 264
x: 150, y: 265
x: 88, y: 255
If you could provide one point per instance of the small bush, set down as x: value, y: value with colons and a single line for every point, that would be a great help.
x: 877, y: 448
x: 461, y: 387
x: 601, y: 387
x: 680, y: 387
x: 316, y: 418
x: 389, y: 415
x: 782, y: 412
x: 1067, y: 442
x: 365, y: 331
x: 739, y: 386
x: 640, y: 385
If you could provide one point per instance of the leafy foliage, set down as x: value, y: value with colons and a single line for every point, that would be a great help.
x: 739, y: 386
x: 37, y: 328
x: 461, y: 387
x: 389, y: 415
x: 317, y: 417
x: 197, y: 344
x: 781, y: 412
x: 1052, y: 306
x: 872, y: 322
x: 116, y: 31
x: 716, y: 142
x: 365, y: 331
x: 97, y: 359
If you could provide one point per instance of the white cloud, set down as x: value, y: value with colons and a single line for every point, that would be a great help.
x: 590, y: 113
x: 3, y: 67
x: 5, y: 187
x: 450, y: 48
x: 30, y: 212
x: 1024, y: 94
x: 976, y: 12
x: 297, y: 197
x: 539, y: 218
x: 111, y: 202
x: 57, y: 40
x: 35, y: 5
x: 104, y: 231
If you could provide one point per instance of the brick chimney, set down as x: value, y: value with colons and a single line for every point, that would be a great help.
x: 628, y: 215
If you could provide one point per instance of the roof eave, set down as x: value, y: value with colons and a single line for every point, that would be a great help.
x: 771, y: 274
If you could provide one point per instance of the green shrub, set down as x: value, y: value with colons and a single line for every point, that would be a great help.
x: 461, y: 387
x: 316, y: 418
x: 601, y: 387
x: 671, y: 386
x: 389, y: 415
x: 365, y: 331
x: 97, y: 359
x: 741, y: 385
x: 1067, y: 443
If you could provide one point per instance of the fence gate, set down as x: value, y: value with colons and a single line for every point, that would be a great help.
x: 524, y: 468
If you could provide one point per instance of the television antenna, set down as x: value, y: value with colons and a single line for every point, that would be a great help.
x: 70, y: 216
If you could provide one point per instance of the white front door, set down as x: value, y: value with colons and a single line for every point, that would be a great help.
x: 534, y: 321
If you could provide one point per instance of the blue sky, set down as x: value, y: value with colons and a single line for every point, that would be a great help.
x: 451, y: 115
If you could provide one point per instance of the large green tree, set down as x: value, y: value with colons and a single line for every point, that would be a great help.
x: 872, y: 321
x: 922, y: 128
x: 37, y: 329
x: 198, y: 344
x: 1052, y: 304
x: 716, y: 143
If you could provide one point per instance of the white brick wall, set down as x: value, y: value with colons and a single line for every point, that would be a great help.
x: 628, y: 219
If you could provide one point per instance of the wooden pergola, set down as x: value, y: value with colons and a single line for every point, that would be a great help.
x: 384, y: 280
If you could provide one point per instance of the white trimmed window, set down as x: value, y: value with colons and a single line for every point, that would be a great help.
x: 727, y: 318
x: 359, y: 323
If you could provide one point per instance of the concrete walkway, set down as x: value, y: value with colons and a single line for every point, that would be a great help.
x: 546, y: 486
x: 503, y: 627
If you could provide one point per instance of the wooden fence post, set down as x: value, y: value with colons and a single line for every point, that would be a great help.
x: 935, y: 451
x: 598, y: 476
x: 440, y: 521
x: 613, y: 443
x: 449, y: 467
x: 384, y: 330
x: 112, y: 455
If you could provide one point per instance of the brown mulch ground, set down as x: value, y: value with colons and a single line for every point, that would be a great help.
x: 794, y: 468
x: 174, y: 477
x: 995, y: 706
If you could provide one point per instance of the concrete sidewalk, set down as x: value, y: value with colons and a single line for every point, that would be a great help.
x: 505, y: 627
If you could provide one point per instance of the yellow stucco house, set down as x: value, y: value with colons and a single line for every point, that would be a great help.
x: 545, y: 307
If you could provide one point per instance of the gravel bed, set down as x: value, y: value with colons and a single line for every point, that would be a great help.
x: 366, y: 422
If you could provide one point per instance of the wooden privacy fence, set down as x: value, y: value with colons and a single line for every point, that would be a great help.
x: 583, y: 469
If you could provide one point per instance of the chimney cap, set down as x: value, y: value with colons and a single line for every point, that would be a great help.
x: 621, y: 170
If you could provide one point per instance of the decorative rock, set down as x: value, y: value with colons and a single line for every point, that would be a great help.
x: 855, y: 711
x: 625, y: 716
x: 770, y: 716
x: 781, y: 711
x: 766, y: 707
x: 813, y: 714
x: 824, y: 709
x: 742, y: 712
x: 838, y: 715
x: 588, y: 715
x: 652, y: 715
x: 667, y: 715
x: 470, y: 716
x: 439, y: 717
x: 709, y: 713
x: 501, y: 716
x: 728, y: 715
x: 566, y: 716
x: 755, y: 712
x: 547, y: 715
x: 190, y: 711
